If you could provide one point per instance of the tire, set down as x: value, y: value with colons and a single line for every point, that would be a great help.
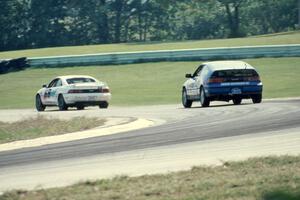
x: 237, y: 100
x: 203, y: 99
x: 103, y: 105
x: 61, y: 103
x: 257, y: 98
x: 185, y: 101
x: 38, y: 103
x: 80, y: 107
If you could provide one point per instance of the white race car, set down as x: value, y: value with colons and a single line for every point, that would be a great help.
x: 73, y: 91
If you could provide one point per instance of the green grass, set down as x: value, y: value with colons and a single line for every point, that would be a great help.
x: 40, y: 127
x: 279, y: 38
x: 271, y: 178
x: 145, y: 84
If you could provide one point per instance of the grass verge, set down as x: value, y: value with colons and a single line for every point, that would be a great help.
x: 271, y: 178
x: 271, y: 39
x: 41, y: 126
x: 145, y: 84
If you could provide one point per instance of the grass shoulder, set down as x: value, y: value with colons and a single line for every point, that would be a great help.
x: 41, y: 126
x: 146, y: 83
x: 267, y: 178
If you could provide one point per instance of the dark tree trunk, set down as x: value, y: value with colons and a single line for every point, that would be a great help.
x: 119, y: 8
x: 146, y: 28
x: 126, y: 29
x: 229, y: 18
x: 140, y: 26
x: 233, y: 18
x: 298, y: 14
x: 104, y: 27
x: 236, y: 29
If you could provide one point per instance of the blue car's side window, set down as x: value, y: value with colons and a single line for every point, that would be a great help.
x: 198, y: 71
x: 204, y: 72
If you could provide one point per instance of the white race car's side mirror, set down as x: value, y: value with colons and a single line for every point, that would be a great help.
x: 188, y: 76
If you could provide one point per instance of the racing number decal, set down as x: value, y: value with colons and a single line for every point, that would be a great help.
x: 52, y: 93
x: 49, y: 93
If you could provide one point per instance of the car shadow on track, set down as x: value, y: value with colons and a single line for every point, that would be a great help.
x: 218, y: 105
x: 69, y: 110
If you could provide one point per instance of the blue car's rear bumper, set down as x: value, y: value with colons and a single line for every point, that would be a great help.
x: 214, y: 90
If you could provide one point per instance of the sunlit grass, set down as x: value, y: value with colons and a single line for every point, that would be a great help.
x: 259, y: 178
x: 41, y: 126
x: 145, y: 84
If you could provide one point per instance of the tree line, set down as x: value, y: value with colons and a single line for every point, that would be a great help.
x: 47, y: 23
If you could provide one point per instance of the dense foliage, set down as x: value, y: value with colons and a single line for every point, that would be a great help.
x: 36, y: 23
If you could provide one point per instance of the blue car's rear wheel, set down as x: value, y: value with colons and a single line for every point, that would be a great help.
x: 256, y: 98
x: 203, y: 99
x: 237, y: 100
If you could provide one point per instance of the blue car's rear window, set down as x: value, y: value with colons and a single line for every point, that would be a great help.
x: 235, y: 73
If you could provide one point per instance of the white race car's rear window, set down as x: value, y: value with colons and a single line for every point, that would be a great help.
x: 80, y: 80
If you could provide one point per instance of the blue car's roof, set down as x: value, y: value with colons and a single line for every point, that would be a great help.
x: 227, y: 65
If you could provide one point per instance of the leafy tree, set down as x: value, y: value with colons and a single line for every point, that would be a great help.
x: 232, y: 8
x: 13, y: 24
x: 47, y: 20
x: 269, y: 16
x: 35, y: 23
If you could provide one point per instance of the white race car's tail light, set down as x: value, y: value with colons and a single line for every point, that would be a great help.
x: 105, y: 90
x: 99, y: 90
x: 102, y: 90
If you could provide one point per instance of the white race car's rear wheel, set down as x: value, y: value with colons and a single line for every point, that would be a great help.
x: 103, y: 104
x: 80, y: 107
x: 61, y: 103
x: 39, y: 104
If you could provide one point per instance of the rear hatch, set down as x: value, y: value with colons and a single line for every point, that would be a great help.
x: 85, y: 85
x: 85, y: 88
x: 234, y: 77
x: 235, y: 81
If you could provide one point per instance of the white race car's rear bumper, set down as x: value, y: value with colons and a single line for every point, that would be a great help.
x: 87, y: 98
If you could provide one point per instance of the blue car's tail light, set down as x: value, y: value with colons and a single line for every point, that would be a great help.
x: 215, y: 80
x: 253, y: 78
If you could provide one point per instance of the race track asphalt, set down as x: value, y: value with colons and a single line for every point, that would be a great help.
x: 191, y: 125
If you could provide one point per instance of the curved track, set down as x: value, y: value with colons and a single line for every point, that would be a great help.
x: 206, y: 123
x: 191, y: 125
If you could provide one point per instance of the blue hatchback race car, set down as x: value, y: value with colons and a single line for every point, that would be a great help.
x: 222, y: 81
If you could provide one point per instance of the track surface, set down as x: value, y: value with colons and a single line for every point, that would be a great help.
x: 201, y: 124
